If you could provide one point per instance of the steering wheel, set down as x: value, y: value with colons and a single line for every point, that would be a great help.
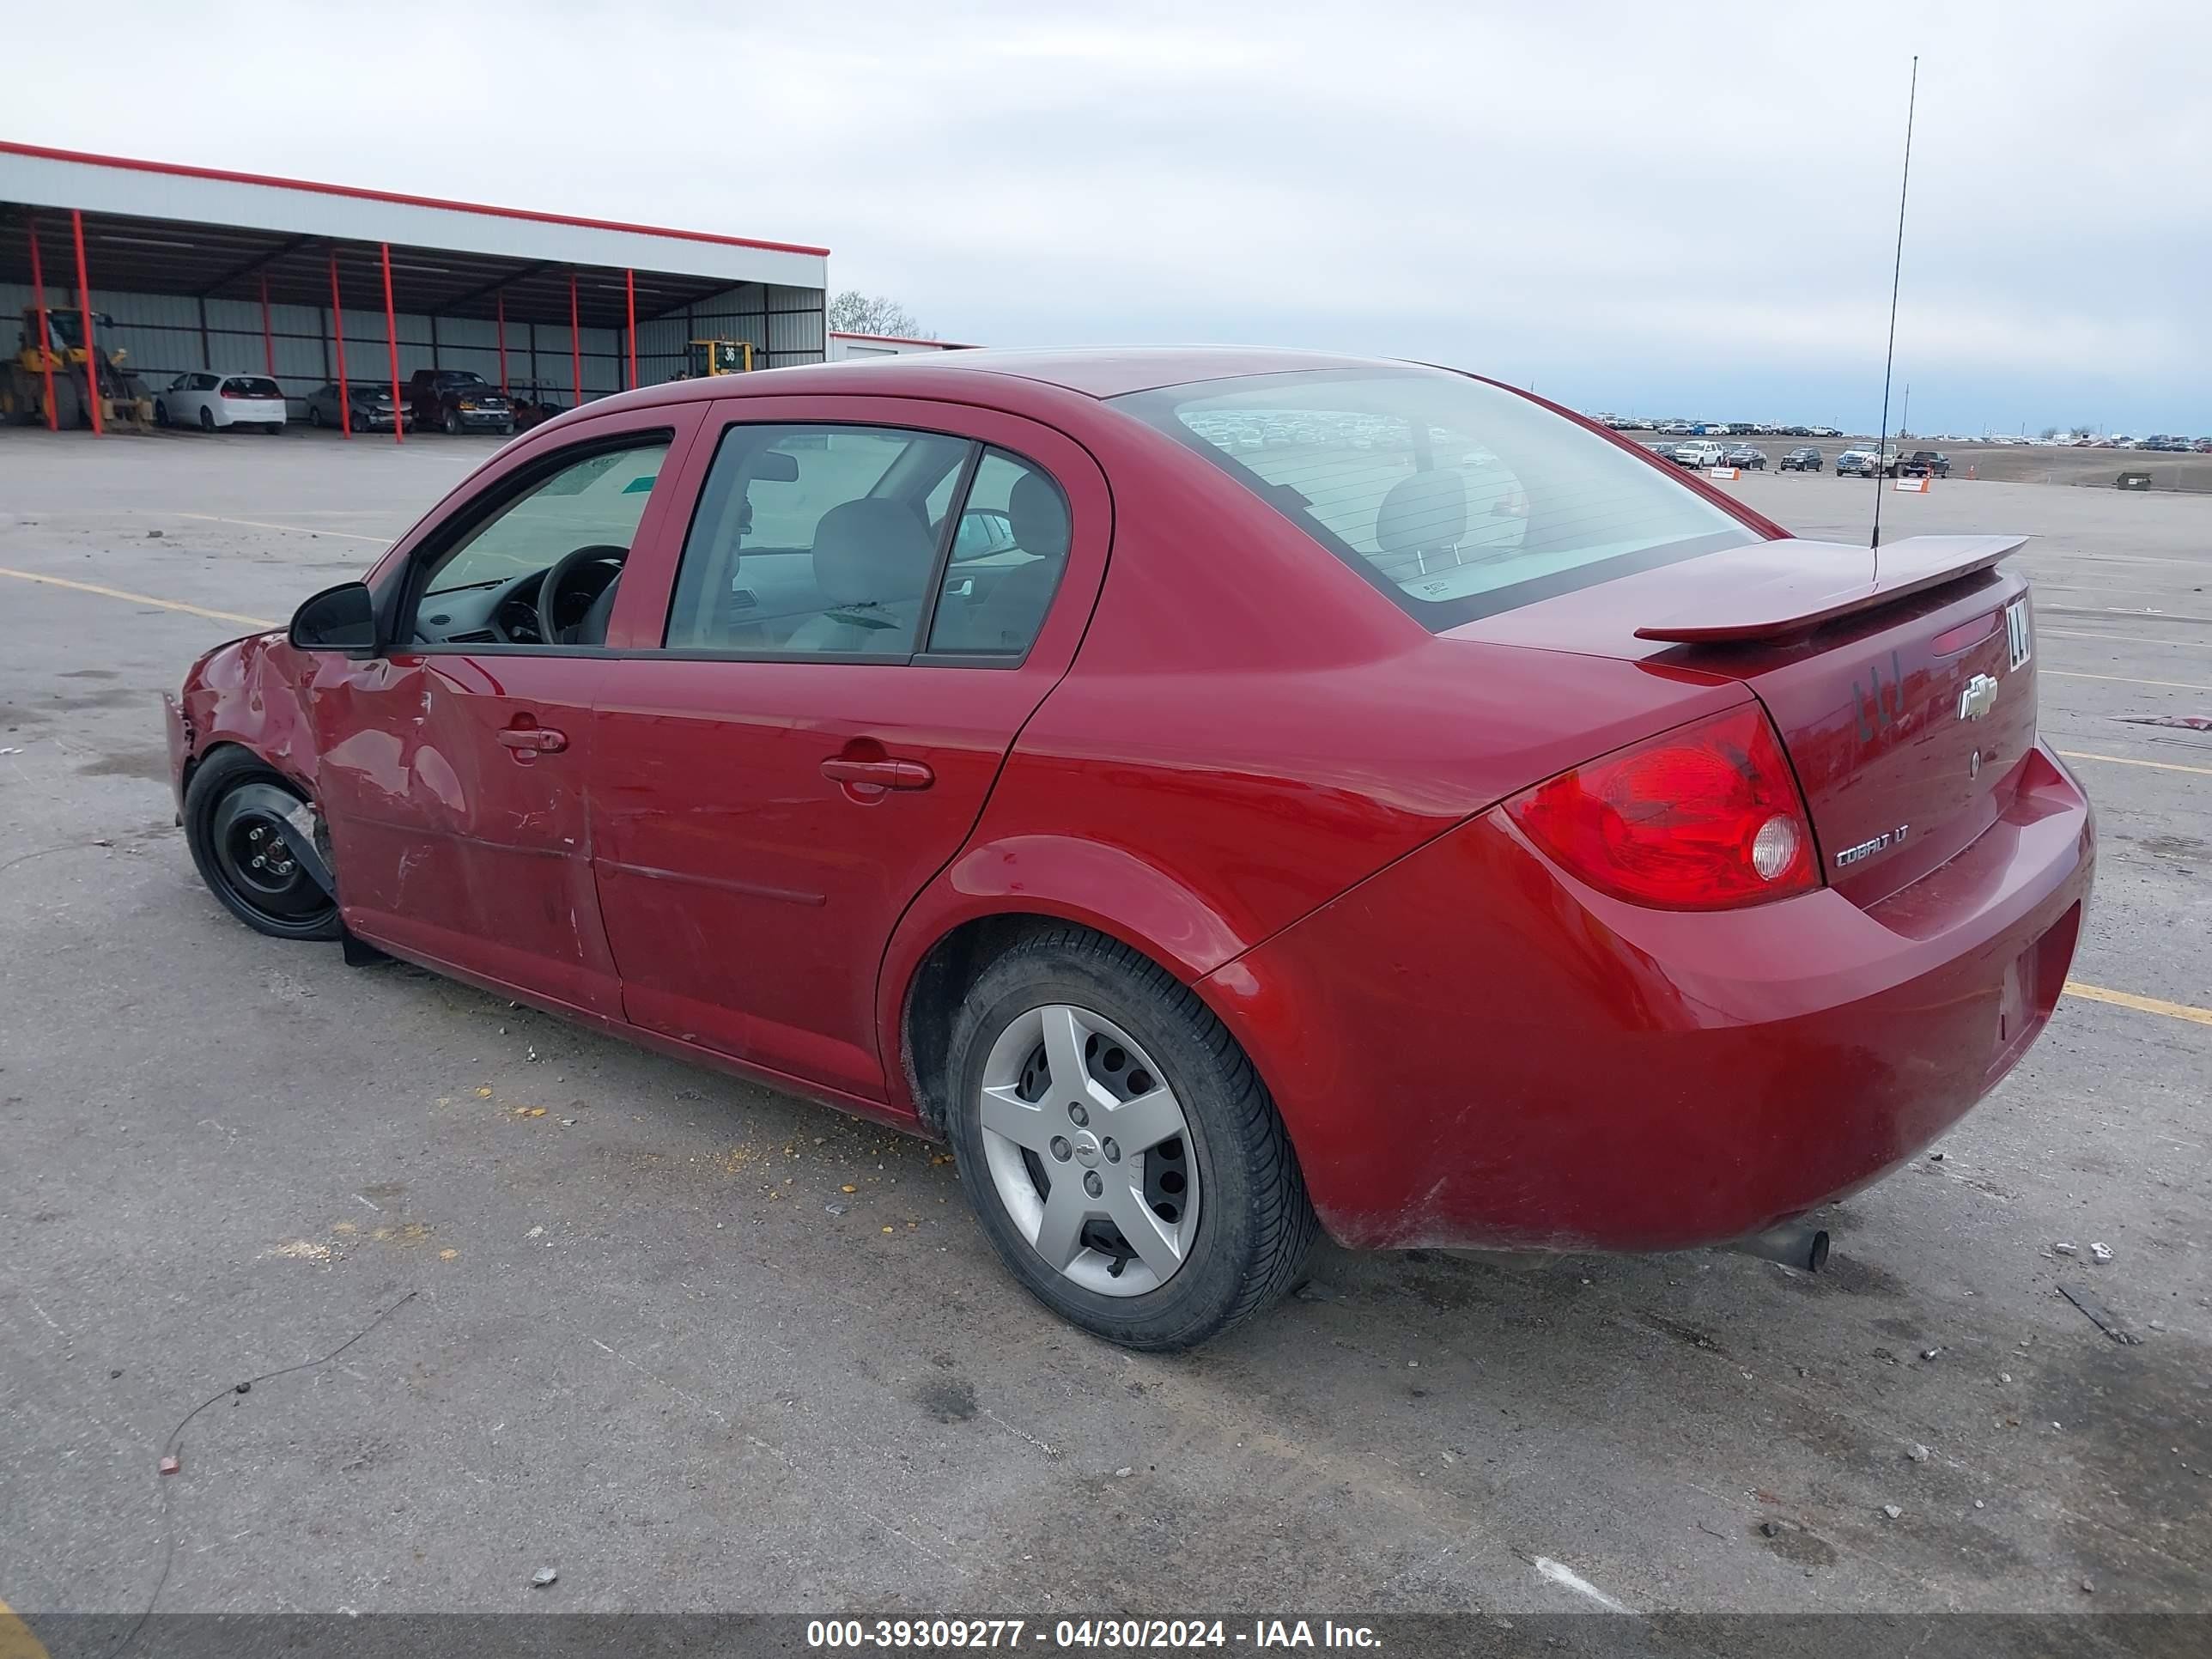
x: 564, y: 570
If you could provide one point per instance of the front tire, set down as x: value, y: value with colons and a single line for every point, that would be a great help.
x: 453, y: 424
x: 1120, y: 1153
x: 232, y: 809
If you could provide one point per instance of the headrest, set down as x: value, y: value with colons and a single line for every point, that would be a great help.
x: 872, y: 551
x: 1037, y: 515
x: 1423, y: 512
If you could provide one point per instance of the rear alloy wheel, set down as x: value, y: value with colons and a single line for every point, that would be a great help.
x: 1120, y: 1152
x: 207, y: 418
x: 236, y: 816
x: 453, y: 424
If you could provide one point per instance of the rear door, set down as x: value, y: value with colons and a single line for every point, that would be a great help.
x: 828, y: 689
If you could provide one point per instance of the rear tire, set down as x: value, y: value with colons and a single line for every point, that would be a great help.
x: 231, y: 810
x: 207, y: 418
x: 1226, y: 1221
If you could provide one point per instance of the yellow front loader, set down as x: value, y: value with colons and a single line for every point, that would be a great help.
x: 55, y: 355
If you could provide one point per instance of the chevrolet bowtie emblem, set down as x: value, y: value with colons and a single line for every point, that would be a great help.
x: 1979, y: 696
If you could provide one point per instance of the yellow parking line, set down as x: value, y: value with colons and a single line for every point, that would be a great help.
x: 2122, y: 679
x: 2075, y: 987
x: 2125, y: 639
x: 297, y: 530
x: 140, y: 598
x: 2122, y: 760
x: 16, y: 1641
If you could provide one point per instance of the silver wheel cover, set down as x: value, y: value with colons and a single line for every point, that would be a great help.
x: 1098, y: 1121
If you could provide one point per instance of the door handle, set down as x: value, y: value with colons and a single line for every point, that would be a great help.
x: 533, y: 739
x: 878, y: 773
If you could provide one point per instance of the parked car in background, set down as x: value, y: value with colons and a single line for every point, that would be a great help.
x: 1803, y: 458
x: 371, y: 406
x: 1744, y: 455
x: 1920, y: 463
x: 457, y: 400
x: 1527, y: 883
x: 1701, y: 451
x: 211, y: 401
x: 1857, y: 462
x: 1681, y: 428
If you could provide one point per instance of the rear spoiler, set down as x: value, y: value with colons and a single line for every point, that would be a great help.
x: 1815, y: 582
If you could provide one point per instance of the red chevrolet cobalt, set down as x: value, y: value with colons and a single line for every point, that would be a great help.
x: 1224, y: 793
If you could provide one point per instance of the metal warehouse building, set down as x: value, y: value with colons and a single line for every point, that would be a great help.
x: 207, y: 270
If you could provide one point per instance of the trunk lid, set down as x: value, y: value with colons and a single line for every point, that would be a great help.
x: 1904, y: 688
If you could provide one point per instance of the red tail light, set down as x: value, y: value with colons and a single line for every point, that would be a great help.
x: 1704, y: 818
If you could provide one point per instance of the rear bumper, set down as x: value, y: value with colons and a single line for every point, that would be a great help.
x: 1472, y: 1049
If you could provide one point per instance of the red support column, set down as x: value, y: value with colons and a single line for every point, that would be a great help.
x: 629, y: 303
x: 391, y: 340
x: 337, y: 330
x: 500, y: 298
x: 268, y: 341
x: 84, y: 309
x: 45, y: 335
x: 576, y: 342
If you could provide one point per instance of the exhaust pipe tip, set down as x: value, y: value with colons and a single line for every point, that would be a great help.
x: 1793, y: 1245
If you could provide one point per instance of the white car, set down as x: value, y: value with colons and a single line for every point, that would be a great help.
x: 1703, y: 452
x: 209, y: 400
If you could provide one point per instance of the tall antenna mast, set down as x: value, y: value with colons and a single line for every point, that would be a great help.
x: 1896, y: 274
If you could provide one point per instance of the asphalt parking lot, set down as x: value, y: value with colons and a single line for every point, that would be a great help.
x: 642, y: 1351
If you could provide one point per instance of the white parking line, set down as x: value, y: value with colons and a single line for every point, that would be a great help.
x: 1574, y: 1581
x: 296, y: 530
x: 2125, y: 639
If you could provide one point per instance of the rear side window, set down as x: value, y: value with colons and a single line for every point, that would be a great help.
x: 1454, y: 498
x: 1008, y: 549
x: 817, y: 541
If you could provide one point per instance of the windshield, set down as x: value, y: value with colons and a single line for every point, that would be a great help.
x: 1455, y: 498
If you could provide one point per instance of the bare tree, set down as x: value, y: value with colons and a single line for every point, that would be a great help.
x: 855, y: 312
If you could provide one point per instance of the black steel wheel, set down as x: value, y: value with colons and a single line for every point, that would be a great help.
x: 236, y: 819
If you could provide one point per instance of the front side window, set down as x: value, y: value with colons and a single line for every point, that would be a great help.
x: 816, y: 540
x: 592, y: 503
x: 1455, y: 498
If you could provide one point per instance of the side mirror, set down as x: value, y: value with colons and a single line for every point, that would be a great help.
x: 341, y: 618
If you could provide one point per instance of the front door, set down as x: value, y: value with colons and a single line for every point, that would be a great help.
x: 856, y: 634
x: 452, y: 769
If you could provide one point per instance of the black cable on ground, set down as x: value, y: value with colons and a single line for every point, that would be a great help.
x: 176, y: 1435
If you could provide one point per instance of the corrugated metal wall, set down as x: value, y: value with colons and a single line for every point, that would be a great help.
x: 165, y: 336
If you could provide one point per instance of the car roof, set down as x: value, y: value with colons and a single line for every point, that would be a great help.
x: 1093, y: 371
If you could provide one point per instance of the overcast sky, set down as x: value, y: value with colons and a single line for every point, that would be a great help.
x: 1653, y: 208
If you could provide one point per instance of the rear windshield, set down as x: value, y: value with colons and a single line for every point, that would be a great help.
x: 251, y: 385
x: 1455, y: 498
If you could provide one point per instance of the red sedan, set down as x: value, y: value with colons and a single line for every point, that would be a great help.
x: 1224, y: 793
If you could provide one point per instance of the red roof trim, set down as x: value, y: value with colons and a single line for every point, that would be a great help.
x: 901, y: 339
x: 177, y: 169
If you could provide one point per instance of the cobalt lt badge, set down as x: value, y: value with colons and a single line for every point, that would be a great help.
x: 1979, y: 696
